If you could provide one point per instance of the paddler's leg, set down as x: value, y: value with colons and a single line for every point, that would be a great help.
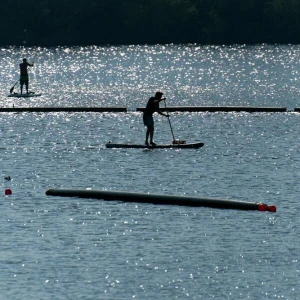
x: 148, y: 121
x: 147, y: 136
x: 26, y: 84
x: 21, y: 84
x: 151, y: 132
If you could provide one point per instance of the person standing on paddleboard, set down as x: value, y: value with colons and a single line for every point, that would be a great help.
x: 24, y: 74
x: 151, y: 108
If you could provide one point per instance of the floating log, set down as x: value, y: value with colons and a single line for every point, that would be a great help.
x: 220, y: 109
x: 60, y: 109
x: 161, y: 199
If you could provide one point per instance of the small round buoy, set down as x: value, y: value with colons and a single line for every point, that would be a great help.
x: 272, y: 208
x: 8, y: 192
x: 262, y: 207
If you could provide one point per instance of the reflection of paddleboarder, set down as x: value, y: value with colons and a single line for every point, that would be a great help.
x: 24, y: 75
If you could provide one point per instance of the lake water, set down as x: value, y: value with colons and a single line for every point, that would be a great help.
x: 69, y: 248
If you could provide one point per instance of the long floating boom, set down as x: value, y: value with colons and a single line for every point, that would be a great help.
x: 161, y: 199
x: 249, y: 109
x: 63, y: 109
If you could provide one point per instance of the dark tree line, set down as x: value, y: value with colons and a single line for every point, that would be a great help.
x: 101, y: 22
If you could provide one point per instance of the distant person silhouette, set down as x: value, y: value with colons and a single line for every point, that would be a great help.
x: 151, y: 108
x: 24, y: 79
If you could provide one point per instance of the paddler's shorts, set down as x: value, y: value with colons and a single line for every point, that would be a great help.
x: 148, y: 121
x: 24, y: 79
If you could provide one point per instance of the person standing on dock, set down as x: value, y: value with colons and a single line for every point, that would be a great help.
x: 24, y: 79
x: 151, y: 108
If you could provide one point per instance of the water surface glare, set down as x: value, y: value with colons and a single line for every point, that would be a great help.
x: 63, y: 248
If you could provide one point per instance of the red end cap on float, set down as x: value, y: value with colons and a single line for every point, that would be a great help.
x: 265, y: 207
x: 272, y: 208
x: 262, y: 207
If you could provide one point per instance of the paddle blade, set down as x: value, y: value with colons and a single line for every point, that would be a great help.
x: 178, y: 142
x: 12, y: 89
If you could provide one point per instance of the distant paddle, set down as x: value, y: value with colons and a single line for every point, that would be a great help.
x: 175, y: 142
x: 12, y: 89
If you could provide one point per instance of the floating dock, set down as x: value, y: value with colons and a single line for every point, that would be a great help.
x: 219, y: 109
x: 65, y: 109
x: 161, y: 199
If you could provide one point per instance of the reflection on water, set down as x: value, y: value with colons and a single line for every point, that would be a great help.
x: 62, y: 248
x: 262, y: 75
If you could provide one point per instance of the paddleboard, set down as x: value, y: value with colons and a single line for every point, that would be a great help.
x: 175, y: 146
x: 24, y: 95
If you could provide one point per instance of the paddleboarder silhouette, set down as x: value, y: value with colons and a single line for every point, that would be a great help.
x: 24, y: 79
x: 151, y: 108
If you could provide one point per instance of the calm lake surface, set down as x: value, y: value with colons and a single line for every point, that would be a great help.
x: 69, y: 248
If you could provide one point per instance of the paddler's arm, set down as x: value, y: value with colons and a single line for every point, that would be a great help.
x: 162, y: 113
x: 159, y: 111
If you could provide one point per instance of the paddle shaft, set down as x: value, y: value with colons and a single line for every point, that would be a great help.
x: 170, y: 123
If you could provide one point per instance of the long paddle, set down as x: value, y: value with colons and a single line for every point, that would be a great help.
x: 174, y: 140
x: 11, y: 90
